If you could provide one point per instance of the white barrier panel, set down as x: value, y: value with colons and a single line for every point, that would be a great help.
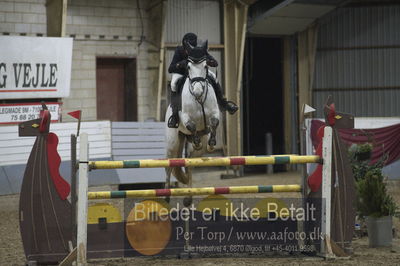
x: 15, y: 150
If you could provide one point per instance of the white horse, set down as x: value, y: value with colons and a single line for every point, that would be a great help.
x: 199, y: 117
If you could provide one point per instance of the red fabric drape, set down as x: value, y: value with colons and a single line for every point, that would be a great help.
x: 54, y: 160
x: 385, y: 140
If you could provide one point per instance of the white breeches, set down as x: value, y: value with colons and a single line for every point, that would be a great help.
x: 174, y: 79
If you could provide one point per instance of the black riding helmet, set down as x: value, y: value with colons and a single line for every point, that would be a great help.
x: 189, y: 38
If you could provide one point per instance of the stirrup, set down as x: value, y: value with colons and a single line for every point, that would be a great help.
x: 171, y: 120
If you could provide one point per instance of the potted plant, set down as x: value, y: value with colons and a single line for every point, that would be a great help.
x: 363, y: 151
x: 376, y: 205
x: 360, y: 155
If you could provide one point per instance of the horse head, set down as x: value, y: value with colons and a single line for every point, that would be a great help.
x: 198, y: 70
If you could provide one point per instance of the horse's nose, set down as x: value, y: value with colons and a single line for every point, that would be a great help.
x: 197, y: 90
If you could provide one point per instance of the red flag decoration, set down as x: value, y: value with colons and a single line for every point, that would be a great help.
x: 76, y: 114
x: 332, y: 114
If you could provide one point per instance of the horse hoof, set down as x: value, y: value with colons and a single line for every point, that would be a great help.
x: 187, y: 201
x: 198, y: 146
x: 196, y: 140
x: 212, y: 142
x: 183, y: 179
x: 210, y: 148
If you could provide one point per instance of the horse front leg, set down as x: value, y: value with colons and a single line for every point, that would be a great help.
x: 191, y: 126
x: 212, y: 141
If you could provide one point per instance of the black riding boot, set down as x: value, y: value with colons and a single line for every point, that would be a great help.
x: 173, y: 121
x: 225, y: 105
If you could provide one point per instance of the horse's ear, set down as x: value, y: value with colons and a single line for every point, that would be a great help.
x: 205, y: 45
x: 188, y: 46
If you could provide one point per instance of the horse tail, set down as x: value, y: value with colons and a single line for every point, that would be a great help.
x: 180, y: 175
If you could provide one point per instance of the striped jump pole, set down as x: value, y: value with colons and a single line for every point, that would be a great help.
x: 192, y: 191
x: 206, y: 161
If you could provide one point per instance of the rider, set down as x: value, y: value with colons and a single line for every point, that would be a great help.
x: 178, y: 68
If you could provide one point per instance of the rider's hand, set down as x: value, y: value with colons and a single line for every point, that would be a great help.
x: 212, y: 63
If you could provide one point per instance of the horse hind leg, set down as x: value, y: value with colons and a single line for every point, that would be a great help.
x: 212, y: 141
x: 168, y: 171
x: 187, y: 201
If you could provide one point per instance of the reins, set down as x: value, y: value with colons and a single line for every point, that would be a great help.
x: 204, y: 84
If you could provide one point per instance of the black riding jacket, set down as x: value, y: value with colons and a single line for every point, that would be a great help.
x: 178, y: 64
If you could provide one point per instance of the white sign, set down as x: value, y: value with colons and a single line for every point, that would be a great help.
x: 20, y: 112
x: 35, y: 67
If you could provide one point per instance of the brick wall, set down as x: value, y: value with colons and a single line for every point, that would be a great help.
x: 99, y: 28
x: 108, y: 28
x: 26, y: 17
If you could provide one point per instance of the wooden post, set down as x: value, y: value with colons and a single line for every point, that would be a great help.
x: 326, y: 248
x: 82, y: 200
x: 241, y: 42
x: 56, y: 17
x: 286, y: 97
x: 235, y: 19
x: 161, y: 65
x: 230, y: 73
x: 73, y: 188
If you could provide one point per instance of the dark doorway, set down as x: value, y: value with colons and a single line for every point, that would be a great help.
x: 116, y: 89
x: 262, y: 98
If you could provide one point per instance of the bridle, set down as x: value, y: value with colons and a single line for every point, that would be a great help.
x: 202, y: 80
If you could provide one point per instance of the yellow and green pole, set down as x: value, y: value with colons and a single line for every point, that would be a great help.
x: 192, y: 191
x: 206, y: 161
